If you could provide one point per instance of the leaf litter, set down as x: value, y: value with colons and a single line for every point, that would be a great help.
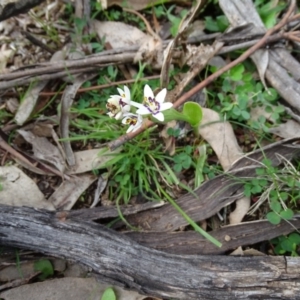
x: 80, y: 168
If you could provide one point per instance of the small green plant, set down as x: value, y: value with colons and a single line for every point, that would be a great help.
x: 183, y: 160
x: 174, y: 132
x: 45, y: 267
x: 277, y: 186
x: 240, y: 93
x: 109, y: 294
x: 219, y: 24
x: 175, y: 19
x: 269, y: 10
x: 287, y: 244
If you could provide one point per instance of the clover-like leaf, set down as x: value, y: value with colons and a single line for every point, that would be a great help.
x: 273, y: 218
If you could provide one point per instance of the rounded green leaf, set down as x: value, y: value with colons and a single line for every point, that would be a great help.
x: 273, y: 218
x: 295, y: 238
x: 109, y: 294
x: 236, y: 73
x: 275, y: 206
x: 287, y: 214
x: 287, y: 245
x: 193, y: 112
x: 45, y: 267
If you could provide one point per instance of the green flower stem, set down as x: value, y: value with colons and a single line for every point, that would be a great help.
x: 173, y: 114
x: 191, y: 222
x: 196, y: 131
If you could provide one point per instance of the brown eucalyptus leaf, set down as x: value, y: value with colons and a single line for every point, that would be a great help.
x: 134, y: 4
x: 101, y: 185
x: 118, y: 34
x: 19, y: 190
x: 89, y: 160
x: 219, y: 134
x: 67, y: 194
x: 44, y: 150
x: 29, y: 101
x: 288, y: 129
x: 262, y: 66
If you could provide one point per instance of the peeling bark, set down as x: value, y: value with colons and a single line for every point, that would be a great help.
x: 10, y: 8
x: 121, y: 261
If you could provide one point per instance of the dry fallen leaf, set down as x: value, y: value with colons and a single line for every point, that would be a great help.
x: 29, y: 101
x: 263, y: 65
x: 67, y: 289
x: 220, y: 136
x: 169, y: 141
x: 241, y: 208
x: 287, y: 130
x: 116, y: 34
x: 44, y: 150
x: 135, y: 4
x: 19, y: 190
x: 66, y: 195
x: 5, y: 55
x: 89, y: 160
x: 101, y: 185
x: 151, y: 52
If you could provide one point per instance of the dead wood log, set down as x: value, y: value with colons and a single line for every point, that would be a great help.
x: 119, y: 260
x: 10, y: 8
x: 231, y: 237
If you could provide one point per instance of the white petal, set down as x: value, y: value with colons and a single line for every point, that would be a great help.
x: 148, y: 92
x: 160, y: 97
x: 124, y: 120
x: 128, y: 116
x: 143, y: 110
x: 165, y: 106
x: 138, y: 105
x: 159, y: 116
x: 119, y: 115
x: 127, y: 92
x: 114, y: 100
x: 126, y: 108
x: 137, y: 126
x: 130, y: 128
x: 121, y: 92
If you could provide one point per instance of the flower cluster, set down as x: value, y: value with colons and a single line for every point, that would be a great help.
x: 119, y: 107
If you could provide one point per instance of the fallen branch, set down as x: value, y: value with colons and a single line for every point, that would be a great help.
x: 121, y: 261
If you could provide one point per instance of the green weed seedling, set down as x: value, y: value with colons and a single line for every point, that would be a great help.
x: 109, y: 294
x: 269, y: 10
x: 238, y: 92
x: 280, y: 187
x: 173, y: 132
x: 219, y: 24
x: 183, y: 160
x: 45, y: 267
x: 287, y: 245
